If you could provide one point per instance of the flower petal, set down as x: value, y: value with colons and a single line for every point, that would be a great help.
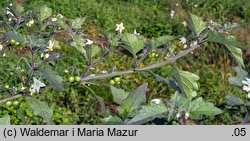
x: 245, y: 82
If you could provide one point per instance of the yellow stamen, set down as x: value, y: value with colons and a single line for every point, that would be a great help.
x: 37, y: 84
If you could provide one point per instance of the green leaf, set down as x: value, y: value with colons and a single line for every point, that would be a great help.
x: 112, y: 120
x: 167, y: 81
x: 43, y: 13
x: 225, y: 40
x: 149, y: 113
x: 134, y: 100
x: 94, y: 50
x: 101, y: 102
x: 60, y: 22
x: 79, y: 43
x: 77, y: 23
x: 187, y: 82
x: 236, y: 54
x: 234, y: 101
x: 53, y: 78
x: 5, y: 120
x: 196, y: 24
x: 179, y: 100
x: 156, y: 42
x: 118, y: 95
x: 133, y: 43
x: 40, y: 108
x: 16, y: 36
x: 36, y: 41
x: 241, y: 74
x: 229, y: 26
x: 198, y: 108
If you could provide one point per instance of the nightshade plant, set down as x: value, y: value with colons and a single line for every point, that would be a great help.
x: 40, y: 33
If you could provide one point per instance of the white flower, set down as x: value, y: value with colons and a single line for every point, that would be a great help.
x: 60, y: 15
x: 178, y: 115
x: 4, y: 55
x: 89, y: 42
x: 172, y: 13
x: 156, y: 101
x: 176, y: 4
x: 193, y: 43
x: 195, y: 5
x: 53, y: 19
x: 35, y: 87
x: 50, y: 46
x: 135, y: 32
x: 9, y: 13
x: 119, y: 27
x: 11, y: 4
x: 246, y: 83
x: 186, y: 115
x: 183, y: 40
x: 1, y: 47
x: 47, y: 55
x: 184, y: 23
x: 185, y: 46
x: 30, y: 23
x: 248, y: 95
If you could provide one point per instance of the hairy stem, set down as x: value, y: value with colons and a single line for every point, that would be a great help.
x: 157, y: 65
x: 108, y: 75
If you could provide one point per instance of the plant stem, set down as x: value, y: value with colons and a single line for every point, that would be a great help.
x: 102, y: 76
x: 246, y: 118
x: 11, y: 98
x: 171, y: 60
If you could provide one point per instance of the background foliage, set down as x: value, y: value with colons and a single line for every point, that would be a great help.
x: 152, y: 19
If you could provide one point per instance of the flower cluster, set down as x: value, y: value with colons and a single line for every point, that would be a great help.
x: 50, y: 48
x: 246, y: 86
x: 30, y: 23
x: 183, y: 41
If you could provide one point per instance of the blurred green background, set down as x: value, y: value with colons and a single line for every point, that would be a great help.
x: 150, y: 18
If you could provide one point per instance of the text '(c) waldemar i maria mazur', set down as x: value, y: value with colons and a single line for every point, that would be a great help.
x: 77, y: 132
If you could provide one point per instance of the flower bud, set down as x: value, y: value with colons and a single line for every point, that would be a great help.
x: 178, y: 115
x: 186, y: 115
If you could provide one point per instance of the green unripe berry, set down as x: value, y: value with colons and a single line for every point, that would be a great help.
x: 111, y: 82
x: 166, y: 58
x: 17, y: 44
x: 71, y: 79
x: 7, y: 86
x: 13, y: 42
x: 77, y: 78
x: 66, y: 71
x: 152, y: 55
x: 8, y: 103
x: 16, y: 103
x: 156, y: 55
x: 117, y: 79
